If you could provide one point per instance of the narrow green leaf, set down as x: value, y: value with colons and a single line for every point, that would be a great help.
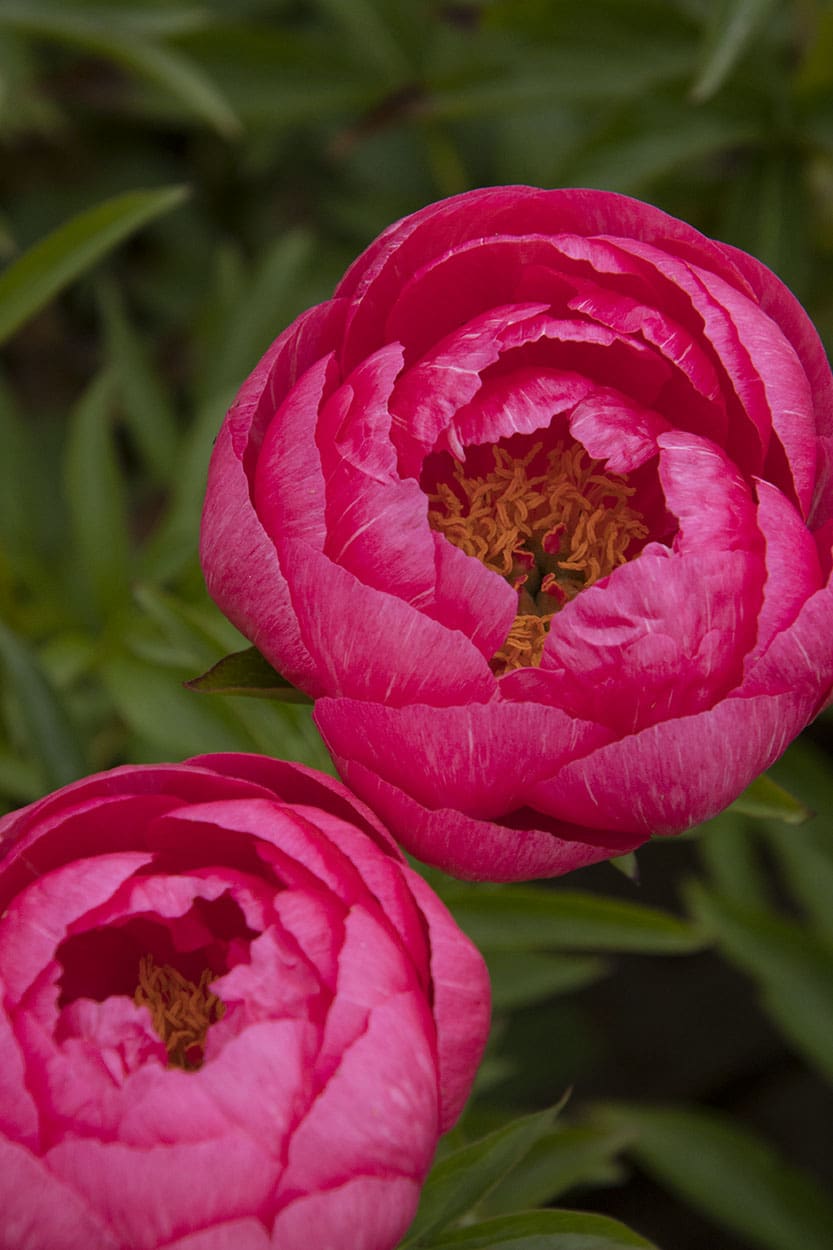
x: 729, y: 1174
x: 733, y: 28
x: 806, y: 854
x: 126, y: 41
x: 558, y: 1161
x: 460, y: 1179
x: 792, y: 967
x: 37, y: 276
x: 766, y: 798
x: 545, y: 1230
x: 96, y: 498
x: 246, y: 672
x: 149, y: 414
x: 52, y: 739
x: 535, y: 918
x: 523, y: 977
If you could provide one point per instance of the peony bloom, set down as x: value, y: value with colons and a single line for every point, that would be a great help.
x: 230, y: 1015
x: 538, y: 508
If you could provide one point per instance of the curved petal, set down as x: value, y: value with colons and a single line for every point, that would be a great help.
x: 485, y: 755
x: 40, y: 1210
x: 376, y: 1209
x: 231, y: 1235
x: 461, y: 1002
x: 523, y: 845
x: 371, y: 645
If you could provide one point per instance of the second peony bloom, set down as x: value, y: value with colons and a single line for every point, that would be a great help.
x: 538, y: 509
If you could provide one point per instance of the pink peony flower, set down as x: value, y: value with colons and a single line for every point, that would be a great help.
x: 538, y: 508
x: 230, y: 1015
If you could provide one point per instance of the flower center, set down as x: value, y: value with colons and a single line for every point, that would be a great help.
x: 180, y: 1010
x: 550, y: 524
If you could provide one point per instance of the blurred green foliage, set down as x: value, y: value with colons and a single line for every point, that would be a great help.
x: 133, y: 309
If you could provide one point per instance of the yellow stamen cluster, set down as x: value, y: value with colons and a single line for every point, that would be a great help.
x: 549, y: 533
x: 181, y: 1011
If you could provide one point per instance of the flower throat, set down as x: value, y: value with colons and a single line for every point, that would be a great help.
x: 549, y: 533
x: 181, y: 1010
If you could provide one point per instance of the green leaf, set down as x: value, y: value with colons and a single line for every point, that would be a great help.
x: 557, y: 1162
x: 523, y: 977
x: 52, y: 739
x: 460, y: 1179
x: 729, y: 1174
x: 96, y: 498
x: 792, y: 967
x: 37, y: 276
x: 535, y: 917
x: 148, y: 411
x: 246, y: 672
x: 126, y: 42
x: 767, y: 799
x: 545, y: 1230
x: 734, y: 26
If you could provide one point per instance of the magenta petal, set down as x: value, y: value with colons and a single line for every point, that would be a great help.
x: 793, y: 573
x: 675, y: 774
x: 524, y: 845
x: 242, y: 571
x: 519, y: 402
x: 614, y: 429
x: 376, y: 1209
x: 707, y: 494
x: 433, y: 752
x: 39, y: 1212
x: 290, y: 457
x: 354, y: 632
x: 662, y: 636
x: 18, y: 1112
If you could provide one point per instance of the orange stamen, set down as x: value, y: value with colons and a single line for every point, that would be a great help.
x: 550, y: 534
x: 181, y: 1011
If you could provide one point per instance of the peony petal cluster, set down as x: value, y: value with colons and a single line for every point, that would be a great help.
x: 538, y: 509
x: 230, y: 1015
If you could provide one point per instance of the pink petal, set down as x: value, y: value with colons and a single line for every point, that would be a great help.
x: 376, y: 1209
x: 524, y: 845
x: 351, y: 629
x: 479, y: 758
x: 707, y: 494
x: 38, y: 920
x: 40, y: 1212
x: 18, y: 1111
x: 461, y: 1002
x: 611, y: 427
x: 377, y: 1113
x: 116, y: 1179
x: 232, y: 1235
x: 662, y: 636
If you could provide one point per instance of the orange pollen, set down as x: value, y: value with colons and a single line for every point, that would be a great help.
x: 181, y: 1011
x: 549, y: 534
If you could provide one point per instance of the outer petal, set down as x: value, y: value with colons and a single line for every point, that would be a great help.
x: 39, y: 1211
x: 375, y: 1209
x: 461, y: 1001
x: 523, y: 845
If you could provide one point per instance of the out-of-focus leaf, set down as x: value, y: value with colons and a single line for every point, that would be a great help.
x: 734, y: 25
x: 544, y: 1230
x: 460, y: 1179
x: 259, y: 315
x: 729, y: 1174
x: 363, y: 25
x: 20, y: 781
x: 125, y: 42
x: 31, y: 281
x: 57, y: 17
x: 523, y: 977
x: 247, y: 673
x: 627, y: 865
x: 535, y: 918
x: 806, y: 854
x: 151, y: 702
x: 96, y: 498
x: 766, y: 798
x: 557, y: 1162
x: 149, y: 415
x: 791, y: 966
x: 52, y: 740
x: 730, y: 851
x: 16, y: 444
